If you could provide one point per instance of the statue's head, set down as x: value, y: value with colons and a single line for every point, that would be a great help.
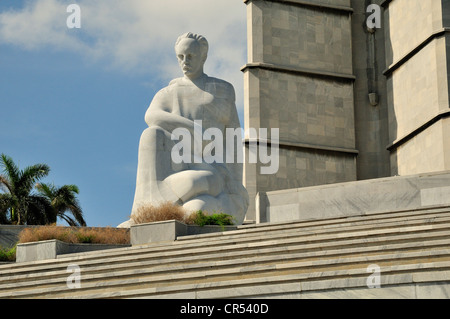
x: 191, y: 50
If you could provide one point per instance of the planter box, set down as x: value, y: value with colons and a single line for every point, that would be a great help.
x: 169, y: 231
x: 156, y: 232
x: 50, y: 249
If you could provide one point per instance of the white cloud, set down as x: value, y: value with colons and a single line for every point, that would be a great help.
x: 36, y: 25
x: 136, y: 35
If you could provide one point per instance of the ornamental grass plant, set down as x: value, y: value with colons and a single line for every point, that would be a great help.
x: 164, y: 211
x: 80, y: 235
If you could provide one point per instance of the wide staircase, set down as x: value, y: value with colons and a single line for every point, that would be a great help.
x: 401, y: 254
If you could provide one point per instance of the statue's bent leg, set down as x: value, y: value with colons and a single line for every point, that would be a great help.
x: 192, y: 183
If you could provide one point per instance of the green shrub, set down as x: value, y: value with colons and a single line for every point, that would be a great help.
x: 85, y: 239
x: 201, y: 219
x: 8, y: 254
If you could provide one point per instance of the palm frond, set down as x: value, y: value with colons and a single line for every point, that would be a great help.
x: 63, y: 199
x: 31, y: 174
x: 47, y: 190
x: 70, y: 221
x: 10, y: 169
x: 76, y: 211
x: 73, y: 188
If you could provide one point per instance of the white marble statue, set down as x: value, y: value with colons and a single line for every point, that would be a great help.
x: 195, y: 184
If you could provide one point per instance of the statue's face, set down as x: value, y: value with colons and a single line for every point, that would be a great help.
x: 190, y: 58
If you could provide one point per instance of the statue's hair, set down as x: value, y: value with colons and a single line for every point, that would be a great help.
x: 197, y: 37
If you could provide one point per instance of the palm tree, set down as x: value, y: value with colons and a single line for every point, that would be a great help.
x: 62, y: 200
x: 17, y: 200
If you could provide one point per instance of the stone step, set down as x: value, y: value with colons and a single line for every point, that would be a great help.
x: 377, y: 218
x: 275, y: 233
x: 405, y: 283
x: 232, y: 258
x: 268, y: 254
x: 311, y: 242
x: 363, y: 216
x: 287, y: 239
x: 328, y: 269
x: 229, y: 267
x: 367, y: 257
x: 264, y: 256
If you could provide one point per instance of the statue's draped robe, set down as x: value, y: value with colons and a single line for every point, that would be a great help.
x: 211, y: 187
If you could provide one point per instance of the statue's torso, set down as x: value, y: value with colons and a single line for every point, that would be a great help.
x: 211, y: 101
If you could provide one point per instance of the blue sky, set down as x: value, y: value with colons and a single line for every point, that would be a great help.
x: 75, y: 99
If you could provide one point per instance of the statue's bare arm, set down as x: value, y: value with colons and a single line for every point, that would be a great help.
x: 159, y: 113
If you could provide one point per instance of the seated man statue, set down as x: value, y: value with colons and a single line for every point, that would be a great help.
x: 194, y: 184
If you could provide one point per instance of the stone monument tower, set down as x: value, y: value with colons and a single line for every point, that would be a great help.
x: 352, y: 102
